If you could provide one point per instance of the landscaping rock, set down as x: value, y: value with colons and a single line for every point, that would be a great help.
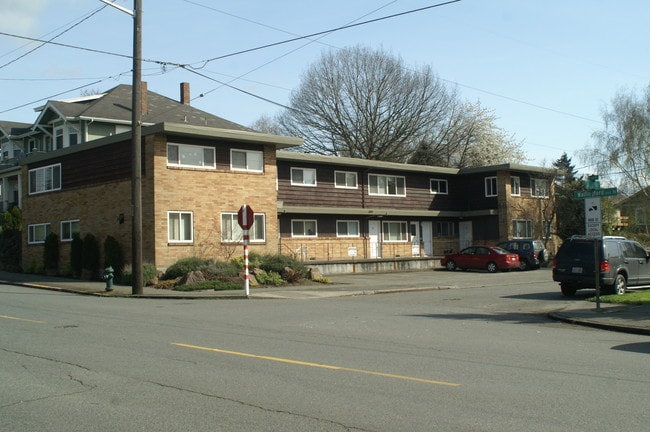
x: 192, y: 278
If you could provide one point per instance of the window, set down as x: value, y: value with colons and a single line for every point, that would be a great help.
x: 247, y: 160
x: 345, y: 179
x: 539, y: 188
x: 69, y: 229
x: 386, y: 185
x: 303, y: 176
x: 180, y: 227
x: 190, y: 156
x: 232, y: 232
x: 395, y: 231
x: 515, y: 184
x: 446, y: 229
x: 45, y: 179
x: 347, y: 228
x: 58, y: 138
x: 490, y: 186
x: 439, y: 187
x: 522, y: 228
x: 37, y: 233
x: 303, y: 228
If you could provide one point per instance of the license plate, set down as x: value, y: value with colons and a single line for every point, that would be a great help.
x: 576, y: 270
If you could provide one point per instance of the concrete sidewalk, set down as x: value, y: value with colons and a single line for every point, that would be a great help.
x: 624, y: 318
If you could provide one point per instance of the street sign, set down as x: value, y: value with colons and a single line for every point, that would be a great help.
x: 593, y: 222
x: 593, y: 193
x: 245, y: 217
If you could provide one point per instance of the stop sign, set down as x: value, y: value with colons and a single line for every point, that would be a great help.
x: 245, y: 217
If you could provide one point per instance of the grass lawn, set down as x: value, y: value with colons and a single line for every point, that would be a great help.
x: 638, y: 297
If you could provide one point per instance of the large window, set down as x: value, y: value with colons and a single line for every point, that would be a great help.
x: 395, y: 231
x: 45, y: 179
x: 193, y: 156
x: 303, y: 176
x: 37, y: 233
x: 303, y: 228
x: 232, y: 232
x: 180, y: 227
x: 58, y: 137
x: 539, y: 188
x: 515, y: 186
x: 345, y: 179
x: 386, y: 185
x: 439, y: 186
x: 347, y: 228
x: 69, y: 229
x: 522, y: 228
x: 446, y: 229
x: 491, y: 186
x: 247, y: 160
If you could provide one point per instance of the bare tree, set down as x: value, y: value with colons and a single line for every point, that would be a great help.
x: 366, y: 104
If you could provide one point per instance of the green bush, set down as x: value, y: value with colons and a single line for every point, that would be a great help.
x: 149, y: 271
x: 113, y: 255
x: 10, y: 250
x: 76, y: 255
x: 270, y: 278
x: 254, y: 260
x: 277, y: 263
x: 184, y: 266
x: 90, y: 258
x: 51, y: 253
x: 216, y: 284
x: 215, y: 270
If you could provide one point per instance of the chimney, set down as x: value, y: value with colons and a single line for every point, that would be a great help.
x: 144, y: 103
x: 185, y: 93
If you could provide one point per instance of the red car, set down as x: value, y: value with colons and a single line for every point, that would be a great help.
x: 491, y: 258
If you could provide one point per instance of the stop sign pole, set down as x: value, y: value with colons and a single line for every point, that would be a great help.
x: 245, y: 218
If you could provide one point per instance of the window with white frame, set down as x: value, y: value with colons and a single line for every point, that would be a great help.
x: 180, y: 226
x: 395, y: 231
x: 491, y: 187
x: 58, y: 137
x: 73, y: 135
x: 247, y: 160
x: 346, y: 179
x: 379, y: 184
x: 522, y: 228
x: 347, y: 228
x: 515, y: 186
x: 45, y: 179
x: 539, y: 188
x: 303, y: 176
x: 37, y: 233
x: 446, y: 229
x: 193, y: 156
x: 232, y: 232
x: 303, y: 228
x: 69, y: 228
x: 439, y: 186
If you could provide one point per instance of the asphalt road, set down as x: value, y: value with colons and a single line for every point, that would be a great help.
x: 459, y: 359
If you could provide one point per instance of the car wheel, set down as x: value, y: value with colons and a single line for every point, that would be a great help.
x: 451, y: 265
x: 523, y: 265
x: 568, y: 290
x: 492, y: 267
x: 620, y: 285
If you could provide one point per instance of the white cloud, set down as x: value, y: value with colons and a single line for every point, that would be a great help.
x: 21, y: 16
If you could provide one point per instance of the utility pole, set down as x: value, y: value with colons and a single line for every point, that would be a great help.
x: 136, y: 145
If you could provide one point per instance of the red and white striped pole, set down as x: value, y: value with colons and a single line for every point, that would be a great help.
x: 246, y: 218
x: 246, y: 273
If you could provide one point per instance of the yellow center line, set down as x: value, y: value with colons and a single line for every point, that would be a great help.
x: 21, y: 319
x: 316, y: 365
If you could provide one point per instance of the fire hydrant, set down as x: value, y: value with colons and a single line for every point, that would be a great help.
x: 109, y: 274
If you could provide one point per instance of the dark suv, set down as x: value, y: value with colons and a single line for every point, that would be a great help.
x: 532, y: 253
x: 622, y: 263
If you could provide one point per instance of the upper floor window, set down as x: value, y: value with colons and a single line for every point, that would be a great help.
x: 247, y: 160
x: 69, y: 229
x: 379, y: 184
x: 303, y: 228
x: 37, y: 233
x: 491, y: 187
x: 194, y: 156
x: 539, y: 188
x: 303, y: 176
x: 180, y: 226
x: 232, y: 232
x: 439, y: 186
x: 395, y: 231
x: 515, y: 186
x: 45, y: 179
x: 347, y: 228
x: 345, y: 179
x: 58, y: 137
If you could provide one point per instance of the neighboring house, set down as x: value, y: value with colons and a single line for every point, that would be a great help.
x: 334, y: 208
x: 633, y: 212
x: 74, y: 176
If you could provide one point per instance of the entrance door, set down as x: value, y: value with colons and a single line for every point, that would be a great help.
x: 415, y: 239
x: 465, y: 234
x: 427, y: 238
x: 374, y: 233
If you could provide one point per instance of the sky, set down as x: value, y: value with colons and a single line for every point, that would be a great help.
x: 547, y: 69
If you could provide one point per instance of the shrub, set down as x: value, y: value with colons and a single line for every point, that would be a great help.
x: 76, y: 255
x: 219, y: 269
x: 270, y: 278
x: 113, y: 255
x: 277, y: 263
x: 184, y: 266
x: 51, y: 253
x: 149, y: 271
x: 254, y: 260
x: 90, y: 258
x: 10, y: 250
x: 216, y: 284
